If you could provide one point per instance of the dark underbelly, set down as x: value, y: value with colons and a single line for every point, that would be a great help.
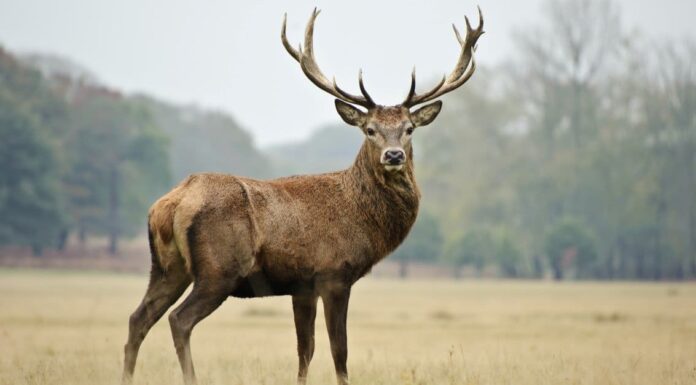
x: 260, y: 285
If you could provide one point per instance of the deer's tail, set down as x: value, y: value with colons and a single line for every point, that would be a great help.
x: 164, y: 248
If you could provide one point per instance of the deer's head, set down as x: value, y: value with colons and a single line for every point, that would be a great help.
x: 388, y: 128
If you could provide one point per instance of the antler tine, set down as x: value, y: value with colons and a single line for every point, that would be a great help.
x: 311, y: 69
x: 362, y: 88
x: 412, y: 99
x: 480, y: 27
x: 459, y: 74
x: 309, y: 35
x: 412, y: 89
x: 295, y: 53
x: 456, y: 33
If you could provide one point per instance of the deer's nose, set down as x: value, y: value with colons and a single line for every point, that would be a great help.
x: 394, y: 156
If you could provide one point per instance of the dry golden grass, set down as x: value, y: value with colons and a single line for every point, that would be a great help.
x: 69, y: 328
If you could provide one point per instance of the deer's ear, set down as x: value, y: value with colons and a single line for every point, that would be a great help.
x: 426, y: 114
x: 350, y: 114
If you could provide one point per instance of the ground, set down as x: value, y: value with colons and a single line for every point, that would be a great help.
x: 69, y: 328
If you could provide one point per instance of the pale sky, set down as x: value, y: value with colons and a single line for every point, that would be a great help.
x: 227, y: 55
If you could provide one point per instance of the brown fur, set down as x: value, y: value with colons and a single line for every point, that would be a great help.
x: 292, y: 230
x: 305, y: 236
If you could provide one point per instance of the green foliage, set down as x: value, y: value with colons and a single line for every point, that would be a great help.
x: 475, y: 248
x: 119, y: 166
x: 569, y: 245
x: 79, y: 156
x: 203, y: 141
x: 31, y: 120
x: 330, y: 148
x: 479, y: 247
x: 83, y: 157
x: 30, y: 206
x: 424, y: 243
x: 508, y: 257
x: 577, y: 126
x: 75, y: 155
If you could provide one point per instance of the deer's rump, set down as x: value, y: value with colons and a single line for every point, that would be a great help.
x: 202, y: 221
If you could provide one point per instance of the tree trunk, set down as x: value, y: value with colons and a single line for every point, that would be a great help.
x: 622, y: 260
x: 691, y: 237
x: 36, y: 250
x: 114, y: 222
x: 403, y: 268
x: 62, y: 240
x: 457, y: 272
x: 657, y: 263
x: 538, y: 267
x: 692, y: 242
x: 82, y: 235
x: 113, y: 243
x: 557, y: 271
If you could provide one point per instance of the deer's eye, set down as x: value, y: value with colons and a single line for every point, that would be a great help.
x: 370, y: 132
x: 409, y: 131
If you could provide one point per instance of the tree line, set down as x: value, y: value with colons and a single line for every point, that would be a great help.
x: 574, y: 159
x: 81, y: 158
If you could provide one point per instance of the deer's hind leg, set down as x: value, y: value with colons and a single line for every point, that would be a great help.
x: 202, y: 301
x: 162, y: 292
x: 220, y: 258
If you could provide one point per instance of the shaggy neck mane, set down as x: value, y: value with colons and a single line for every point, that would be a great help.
x: 388, y: 201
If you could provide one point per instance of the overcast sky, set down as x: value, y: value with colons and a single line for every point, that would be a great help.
x: 227, y: 55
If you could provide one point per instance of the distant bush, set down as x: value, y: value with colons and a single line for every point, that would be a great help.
x: 569, y: 245
x: 480, y: 247
x: 473, y: 249
x: 424, y: 243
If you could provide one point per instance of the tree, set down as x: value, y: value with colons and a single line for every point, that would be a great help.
x: 671, y: 133
x: 569, y: 245
x: 475, y: 249
x: 30, y: 207
x: 32, y: 121
x: 562, y: 62
x: 329, y: 148
x: 424, y: 243
x: 580, y: 163
x: 201, y: 140
x: 589, y: 127
x: 508, y: 257
x: 120, y: 163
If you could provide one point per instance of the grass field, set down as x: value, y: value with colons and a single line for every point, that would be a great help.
x: 69, y: 328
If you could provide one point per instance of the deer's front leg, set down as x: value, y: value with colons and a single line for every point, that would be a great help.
x: 305, y: 309
x: 336, y: 312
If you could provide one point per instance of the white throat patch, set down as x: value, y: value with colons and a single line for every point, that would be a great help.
x: 393, y: 167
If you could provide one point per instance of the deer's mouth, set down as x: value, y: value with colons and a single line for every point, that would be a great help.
x: 393, y: 167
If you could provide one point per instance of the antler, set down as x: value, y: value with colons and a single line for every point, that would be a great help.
x: 311, y: 69
x: 459, y: 75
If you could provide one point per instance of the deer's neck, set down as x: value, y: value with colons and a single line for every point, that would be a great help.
x: 387, y: 201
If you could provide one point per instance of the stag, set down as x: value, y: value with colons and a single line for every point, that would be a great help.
x: 307, y: 236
